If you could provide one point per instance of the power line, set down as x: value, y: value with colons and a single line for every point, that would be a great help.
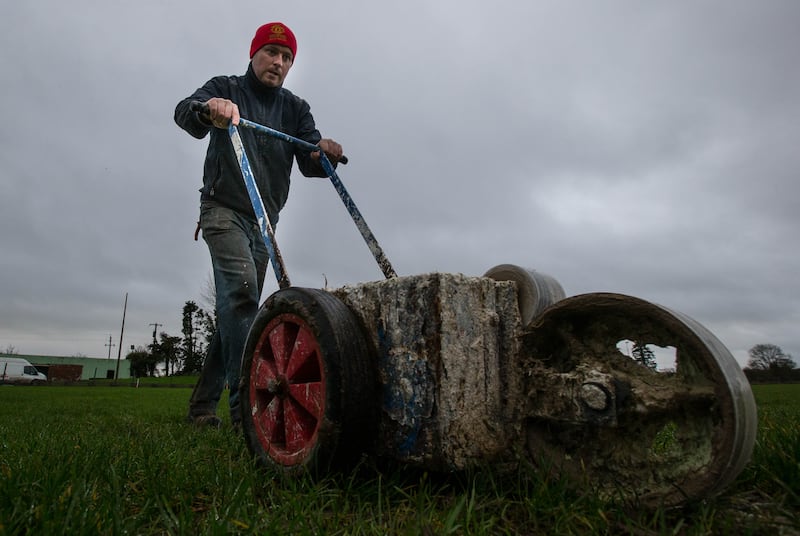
x: 109, y: 344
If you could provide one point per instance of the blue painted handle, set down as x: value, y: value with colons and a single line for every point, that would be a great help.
x: 202, y: 108
x: 358, y: 219
x: 258, y: 207
x: 355, y: 214
x: 285, y: 137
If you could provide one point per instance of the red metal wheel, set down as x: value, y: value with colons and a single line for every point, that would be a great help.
x: 287, y: 398
x: 309, y: 383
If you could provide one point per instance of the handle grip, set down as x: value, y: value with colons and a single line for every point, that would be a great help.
x: 199, y: 107
x: 202, y: 109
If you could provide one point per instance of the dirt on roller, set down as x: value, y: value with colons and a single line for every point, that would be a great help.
x: 445, y: 346
x: 657, y: 437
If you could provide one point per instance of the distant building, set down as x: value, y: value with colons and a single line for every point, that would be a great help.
x: 91, y: 367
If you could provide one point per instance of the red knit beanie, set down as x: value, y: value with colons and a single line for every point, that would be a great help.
x: 273, y: 33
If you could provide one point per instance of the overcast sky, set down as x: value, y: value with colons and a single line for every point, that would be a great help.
x: 646, y: 148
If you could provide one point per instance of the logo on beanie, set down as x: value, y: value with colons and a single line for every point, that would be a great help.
x: 277, y: 32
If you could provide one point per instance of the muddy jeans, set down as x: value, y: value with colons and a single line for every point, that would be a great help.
x: 239, y: 260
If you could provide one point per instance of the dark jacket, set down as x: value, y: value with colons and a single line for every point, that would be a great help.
x: 270, y: 158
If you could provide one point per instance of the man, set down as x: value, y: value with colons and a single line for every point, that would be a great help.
x: 238, y: 255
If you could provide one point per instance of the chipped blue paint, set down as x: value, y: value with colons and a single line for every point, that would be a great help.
x: 258, y: 207
x: 278, y: 134
x: 355, y: 214
x: 358, y: 219
x: 407, y: 399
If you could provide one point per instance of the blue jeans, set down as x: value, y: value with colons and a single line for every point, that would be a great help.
x: 239, y: 260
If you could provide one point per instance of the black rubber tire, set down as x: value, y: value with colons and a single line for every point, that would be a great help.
x: 338, y: 377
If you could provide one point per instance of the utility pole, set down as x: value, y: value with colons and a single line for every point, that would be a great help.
x: 121, y: 332
x: 155, y: 329
x: 109, y: 344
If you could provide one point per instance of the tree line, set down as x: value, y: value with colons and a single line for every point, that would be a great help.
x: 184, y: 355
x: 179, y: 354
x: 770, y: 364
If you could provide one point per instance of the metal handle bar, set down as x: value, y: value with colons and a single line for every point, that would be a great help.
x: 258, y: 208
x: 202, y: 108
x: 286, y: 137
x: 355, y: 214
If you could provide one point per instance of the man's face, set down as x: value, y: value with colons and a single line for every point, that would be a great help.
x: 271, y: 64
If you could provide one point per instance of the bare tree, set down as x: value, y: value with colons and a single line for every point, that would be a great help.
x: 208, y: 294
x: 769, y: 357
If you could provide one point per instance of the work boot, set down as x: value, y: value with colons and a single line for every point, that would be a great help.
x: 205, y: 421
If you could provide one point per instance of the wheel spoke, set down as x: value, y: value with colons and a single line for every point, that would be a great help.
x: 299, y: 426
x: 282, y: 340
x: 264, y: 373
x: 271, y: 423
x: 669, y: 397
x: 309, y: 396
x: 304, y: 363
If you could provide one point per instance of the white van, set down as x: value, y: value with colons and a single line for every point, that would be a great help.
x: 18, y: 370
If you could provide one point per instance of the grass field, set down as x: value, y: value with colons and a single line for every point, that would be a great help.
x: 118, y: 460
